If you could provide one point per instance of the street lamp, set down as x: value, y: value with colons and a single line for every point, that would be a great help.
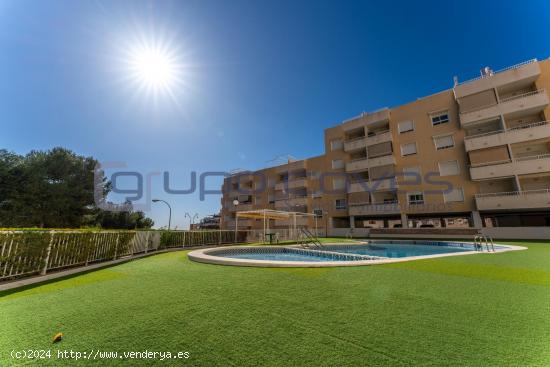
x: 191, y: 219
x: 169, y: 207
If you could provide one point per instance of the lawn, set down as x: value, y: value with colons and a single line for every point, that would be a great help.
x: 476, y: 310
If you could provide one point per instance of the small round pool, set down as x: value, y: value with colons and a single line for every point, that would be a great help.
x: 337, y: 254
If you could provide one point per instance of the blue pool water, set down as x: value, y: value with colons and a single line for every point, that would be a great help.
x: 398, y: 250
x: 278, y: 257
x: 347, y: 252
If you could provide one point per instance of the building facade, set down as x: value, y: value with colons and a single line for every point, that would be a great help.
x: 476, y: 155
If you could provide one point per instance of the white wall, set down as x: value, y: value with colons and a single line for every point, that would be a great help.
x: 520, y: 233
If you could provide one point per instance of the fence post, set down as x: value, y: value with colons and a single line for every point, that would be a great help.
x: 147, y: 241
x: 116, y: 244
x: 89, y: 248
x: 47, y: 259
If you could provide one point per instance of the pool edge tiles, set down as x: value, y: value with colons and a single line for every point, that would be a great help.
x: 209, y: 256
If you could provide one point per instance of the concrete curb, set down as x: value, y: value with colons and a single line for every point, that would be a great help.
x: 207, y: 256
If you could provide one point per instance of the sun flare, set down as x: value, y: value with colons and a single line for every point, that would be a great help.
x: 154, y: 68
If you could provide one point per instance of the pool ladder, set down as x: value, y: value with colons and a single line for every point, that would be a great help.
x: 308, y: 240
x: 481, y: 240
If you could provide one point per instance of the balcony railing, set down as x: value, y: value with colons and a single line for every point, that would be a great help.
x: 527, y: 126
x: 389, y: 206
x: 504, y: 100
x: 513, y: 193
x: 515, y: 159
x: 515, y: 128
x: 516, y: 66
x: 354, y: 139
x: 529, y: 199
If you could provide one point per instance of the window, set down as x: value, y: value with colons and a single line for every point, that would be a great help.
x: 412, y: 174
x: 449, y: 168
x: 440, y: 118
x: 338, y: 183
x: 415, y: 198
x: 443, y: 142
x: 408, y: 149
x: 336, y: 144
x: 456, y: 195
x: 337, y: 164
x: 341, y: 204
x: 405, y: 126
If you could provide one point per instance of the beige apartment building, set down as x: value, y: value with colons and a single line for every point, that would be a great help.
x: 476, y: 155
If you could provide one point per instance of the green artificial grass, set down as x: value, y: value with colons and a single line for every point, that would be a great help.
x: 475, y: 310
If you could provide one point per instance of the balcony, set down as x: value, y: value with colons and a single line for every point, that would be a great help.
x: 363, y: 164
x: 388, y: 207
x: 383, y: 160
x: 373, y: 185
x: 360, y: 164
x: 532, y: 199
x: 381, y: 137
x: 517, y: 134
x: 291, y: 166
x: 366, y: 118
x: 523, y: 72
x: 355, y: 144
x: 292, y: 184
x: 530, y: 102
x: 290, y: 202
x: 516, y: 166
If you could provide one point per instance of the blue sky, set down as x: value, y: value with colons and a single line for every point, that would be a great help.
x: 262, y: 79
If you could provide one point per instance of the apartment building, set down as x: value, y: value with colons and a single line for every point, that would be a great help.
x: 476, y: 155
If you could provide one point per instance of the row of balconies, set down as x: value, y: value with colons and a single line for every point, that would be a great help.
x: 517, y: 134
x: 508, y: 168
x: 519, y: 73
x: 530, y: 199
x: 514, y: 200
x: 529, y: 102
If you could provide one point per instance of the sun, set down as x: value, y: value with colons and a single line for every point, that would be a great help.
x: 154, y: 68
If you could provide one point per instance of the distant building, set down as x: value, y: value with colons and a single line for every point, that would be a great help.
x: 209, y: 222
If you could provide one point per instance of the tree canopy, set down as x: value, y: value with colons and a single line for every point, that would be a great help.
x: 55, y: 189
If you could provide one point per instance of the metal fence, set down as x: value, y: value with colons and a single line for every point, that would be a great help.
x: 25, y: 253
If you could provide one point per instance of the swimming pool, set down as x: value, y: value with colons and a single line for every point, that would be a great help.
x: 397, y: 250
x: 336, y: 254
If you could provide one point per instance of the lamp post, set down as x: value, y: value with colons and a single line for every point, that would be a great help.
x: 169, y: 208
x: 191, y: 219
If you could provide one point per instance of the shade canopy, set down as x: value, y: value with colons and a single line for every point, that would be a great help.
x: 271, y: 214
